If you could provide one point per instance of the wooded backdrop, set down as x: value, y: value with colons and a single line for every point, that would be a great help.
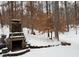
x: 46, y: 16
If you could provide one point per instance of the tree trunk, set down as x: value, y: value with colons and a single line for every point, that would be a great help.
x: 75, y: 16
x: 56, y: 19
x: 12, y: 16
x: 67, y: 19
x: 47, y: 10
x: 51, y: 35
x: 31, y: 6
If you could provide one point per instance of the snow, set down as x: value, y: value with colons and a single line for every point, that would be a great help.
x: 38, y: 39
x: 0, y: 52
x: 16, y: 36
x: 5, y: 48
x: 20, y: 51
x: 70, y: 36
x: 4, y: 30
x: 58, y: 51
x: 41, y: 39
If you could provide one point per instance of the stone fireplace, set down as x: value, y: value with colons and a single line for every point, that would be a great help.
x: 16, y: 40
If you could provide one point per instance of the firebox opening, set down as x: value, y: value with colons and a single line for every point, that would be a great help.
x: 16, y: 45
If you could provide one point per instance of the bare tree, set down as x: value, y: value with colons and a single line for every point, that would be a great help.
x: 56, y: 19
x: 31, y: 7
x: 12, y: 16
x: 21, y: 8
x: 47, y: 10
x: 75, y: 6
x: 66, y: 10
x: 1, y: 21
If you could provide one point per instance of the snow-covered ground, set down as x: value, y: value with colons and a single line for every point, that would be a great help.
x: 4, y: 30
x: 59, y: 51
x: 41, y: 39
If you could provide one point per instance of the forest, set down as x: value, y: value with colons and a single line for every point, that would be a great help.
x: 41, y: 15
x: 45, y: 21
